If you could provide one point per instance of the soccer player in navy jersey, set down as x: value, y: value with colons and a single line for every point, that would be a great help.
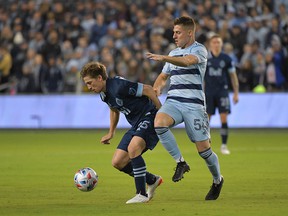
x: 220, y: 68
x: 185, y: 101
x: 139, y: 103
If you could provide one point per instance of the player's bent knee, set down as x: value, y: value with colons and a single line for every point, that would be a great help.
x: 203, y: 145
x: 117, y: 164
x: 163, y: 120
x: 134, y: 151
x: 158, y: 122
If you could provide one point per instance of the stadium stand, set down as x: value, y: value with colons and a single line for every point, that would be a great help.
x: 44, y: 43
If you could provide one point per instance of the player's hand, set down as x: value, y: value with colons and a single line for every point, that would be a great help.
x: 155, y: 57
x: 106, y: 139
x: 235, y: 98
x: 157, y: 91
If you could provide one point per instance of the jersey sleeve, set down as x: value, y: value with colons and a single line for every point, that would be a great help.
x: 200, y: 52
x: 167, y: 66
x: 128, y: 88
x: 231, y: 65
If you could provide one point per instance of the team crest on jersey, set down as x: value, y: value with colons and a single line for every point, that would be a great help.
x: 119, y: 102
x: 132, y: 91
x: 174, y: 67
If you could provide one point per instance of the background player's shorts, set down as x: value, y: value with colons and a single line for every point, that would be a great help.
x: 195, y: 119
x: 145, y: 129
x: 218, y: 100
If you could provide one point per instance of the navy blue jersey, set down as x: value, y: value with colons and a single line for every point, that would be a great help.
x: 217, y: 73
x: 126, y: 97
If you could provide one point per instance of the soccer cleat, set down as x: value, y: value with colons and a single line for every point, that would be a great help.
x: 215, y: 190
x: 224, y: 150
x: 151, y: 188
x: 139, y: 198
x: 181, y: 168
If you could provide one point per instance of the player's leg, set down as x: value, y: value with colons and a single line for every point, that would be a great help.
x: 121, y: 159
x: 224, y: 109
x: 210, y: 105
x: 211, y: 159
x: 135, y: 149
x: 197, y: 128
x: 224, y: 132
x: 144, y: 138
x: 166, y: 117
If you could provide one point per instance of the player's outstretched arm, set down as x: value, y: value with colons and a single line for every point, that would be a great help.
x: 114, y: 118
x: 183, y: 61
x: 150, y: 93
x: 235, y: 86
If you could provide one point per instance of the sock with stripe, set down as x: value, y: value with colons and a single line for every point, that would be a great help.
x: 167, y: 139
x: 212, y: 162
x: 139, y: 170
x: 224, y: 133
x: 128, y: 169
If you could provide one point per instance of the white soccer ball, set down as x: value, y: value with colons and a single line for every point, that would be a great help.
x: 86, y: 179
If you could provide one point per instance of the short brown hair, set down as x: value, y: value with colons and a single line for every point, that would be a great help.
x: 214, y: 35
x: 185, y: 21
x: 94, y: 69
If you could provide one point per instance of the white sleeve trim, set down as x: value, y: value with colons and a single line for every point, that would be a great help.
x: 139, y: 90
x: 232, y: 70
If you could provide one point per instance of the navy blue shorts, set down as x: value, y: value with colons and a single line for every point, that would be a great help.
x: 144, y: 129
x: 218, y: 100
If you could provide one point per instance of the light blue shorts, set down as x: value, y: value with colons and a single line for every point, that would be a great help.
x: 195, y: 119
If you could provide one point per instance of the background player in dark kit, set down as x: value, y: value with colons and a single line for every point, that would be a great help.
x: 220, y: 68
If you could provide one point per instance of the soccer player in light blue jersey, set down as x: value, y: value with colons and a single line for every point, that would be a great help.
x: 185, y: 101
x: 220, y: 69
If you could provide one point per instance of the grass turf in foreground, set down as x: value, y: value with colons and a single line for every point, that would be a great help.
x: 37, y: 170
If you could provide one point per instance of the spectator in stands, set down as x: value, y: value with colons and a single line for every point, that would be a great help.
x: 52, y: 77
x: 52, y: 46
x: 99, y: 29
x: 274, y: 30
x: 270, y: 70
x: 26, y: 82
x: 282, y: 13
x: 6, y: 36
x: 258, y: 64
x: 5, y: 65
x: 37, y: 42
x: 237, y: 40
x: 257, y: 32
x: 55, y: 27
x: 18, y: 53
x: 278, y: 60
x: 72, y: 81
x: 74, y: 31
x: 35, y: 24
x: 229, y: 50
x: 245, y: 76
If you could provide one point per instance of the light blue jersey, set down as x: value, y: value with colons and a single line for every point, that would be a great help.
x: 186, y: 83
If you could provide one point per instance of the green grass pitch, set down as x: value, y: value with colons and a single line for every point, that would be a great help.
x: 37, y: 170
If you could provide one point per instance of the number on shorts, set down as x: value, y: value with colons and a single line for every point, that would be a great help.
x: 143, y: 125
x: 224, y: 101
x: 197, y: 124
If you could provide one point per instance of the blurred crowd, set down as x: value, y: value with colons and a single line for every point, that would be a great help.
x: 45, y: 43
